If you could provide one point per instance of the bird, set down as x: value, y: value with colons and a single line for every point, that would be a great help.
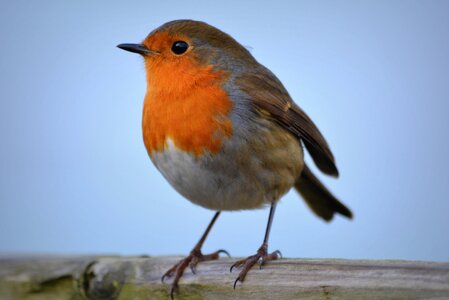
x: 225, y: 133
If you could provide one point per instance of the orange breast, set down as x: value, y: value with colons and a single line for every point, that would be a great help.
x: 185, y: 103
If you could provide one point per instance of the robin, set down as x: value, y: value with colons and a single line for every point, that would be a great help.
x: 225, y: 133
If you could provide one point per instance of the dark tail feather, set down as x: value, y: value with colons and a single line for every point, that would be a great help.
x: 318, y: 197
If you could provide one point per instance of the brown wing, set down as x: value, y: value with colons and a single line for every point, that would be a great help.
x: 271, y: 99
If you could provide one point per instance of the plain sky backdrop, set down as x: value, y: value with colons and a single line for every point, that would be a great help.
x: 75, y: 176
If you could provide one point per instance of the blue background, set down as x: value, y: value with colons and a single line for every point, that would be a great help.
x: 75, y: 176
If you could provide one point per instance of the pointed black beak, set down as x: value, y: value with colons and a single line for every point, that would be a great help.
x: 137, y: 48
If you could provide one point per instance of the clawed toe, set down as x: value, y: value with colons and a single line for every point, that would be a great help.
x: 173, y: 288
x: 169, y: 273
x: 235, y: 282
x: 237, y: 264
x: 272, y: 256
x: 191, y: 261
x: 224, y: 252
x: 260, y: 257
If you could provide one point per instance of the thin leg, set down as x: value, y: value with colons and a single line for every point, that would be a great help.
x: 206, y: 233
x: 262, y: 254
x: 270, y: 221
x: 192, y: 259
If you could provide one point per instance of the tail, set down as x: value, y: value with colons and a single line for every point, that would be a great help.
x: 318, y: 197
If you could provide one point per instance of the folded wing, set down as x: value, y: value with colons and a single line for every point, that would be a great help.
x: 269, y: 97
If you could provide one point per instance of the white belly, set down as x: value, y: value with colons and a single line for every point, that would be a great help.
x: 242, y: 175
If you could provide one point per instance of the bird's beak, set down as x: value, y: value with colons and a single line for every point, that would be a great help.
x: 137, y: 48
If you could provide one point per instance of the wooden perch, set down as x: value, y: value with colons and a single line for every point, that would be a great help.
x: 114, y: 277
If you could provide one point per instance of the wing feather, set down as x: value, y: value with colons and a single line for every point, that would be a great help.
x: 269, y: 97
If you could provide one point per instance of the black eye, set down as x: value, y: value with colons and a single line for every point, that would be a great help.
x: 179, y: 47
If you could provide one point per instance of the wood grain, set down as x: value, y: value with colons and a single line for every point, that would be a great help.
x: 114, y: 277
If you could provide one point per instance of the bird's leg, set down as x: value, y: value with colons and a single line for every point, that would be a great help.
x: 262, y: 254
x: 192, y: 259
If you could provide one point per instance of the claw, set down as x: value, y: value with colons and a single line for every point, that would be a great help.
x: 235, y: 282
x: 172, y: 291
x: 261, y: 257
x: 279, y: 253
x: 166, y: 275
x: 193, y: 268
x: 224, y: 252
x: 236, y: 265
x: 169, y: 273
x: 191, y: 261
x: 194, y: 262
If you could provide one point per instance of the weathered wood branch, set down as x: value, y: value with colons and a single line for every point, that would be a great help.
x: 139, y: 278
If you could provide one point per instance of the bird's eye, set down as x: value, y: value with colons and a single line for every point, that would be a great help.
x: 179, y: 47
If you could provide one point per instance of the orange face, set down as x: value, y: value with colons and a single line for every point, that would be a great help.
x: 185, y: 101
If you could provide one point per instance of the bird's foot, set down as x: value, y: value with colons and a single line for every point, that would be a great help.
x: 262, y: 256
x: 192, y: 261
